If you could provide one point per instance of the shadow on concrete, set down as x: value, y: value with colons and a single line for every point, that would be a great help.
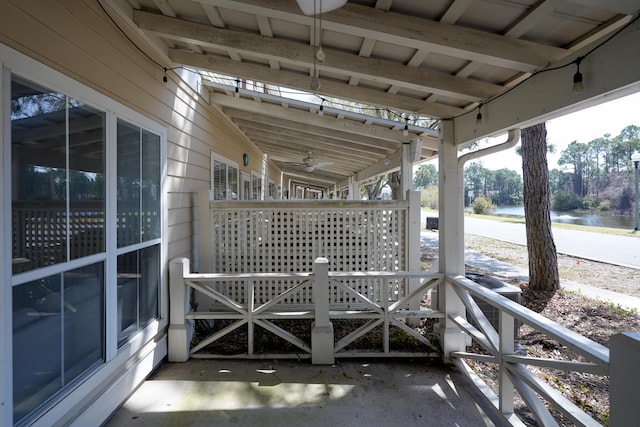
x: 288, y: 393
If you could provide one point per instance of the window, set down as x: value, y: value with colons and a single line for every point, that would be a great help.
x: 58, y: 197
x: 138, y: 282
x: 58, y: 215
x: 224, y: 178
x: 58, y: 334
x: 256, y: 187
x: 138, y: 195
x: 61, y: 226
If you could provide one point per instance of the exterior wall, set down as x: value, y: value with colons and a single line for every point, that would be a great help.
x: 77, y: 39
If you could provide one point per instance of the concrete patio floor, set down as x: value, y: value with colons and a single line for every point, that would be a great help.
x: 295, y: 393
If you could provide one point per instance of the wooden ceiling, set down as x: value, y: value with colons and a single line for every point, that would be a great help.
x: 411, y: 60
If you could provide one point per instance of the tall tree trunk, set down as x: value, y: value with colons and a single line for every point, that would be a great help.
x: 394, y: 184
x: 543, y: 258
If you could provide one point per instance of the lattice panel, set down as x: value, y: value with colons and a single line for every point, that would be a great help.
x: 287, y: 237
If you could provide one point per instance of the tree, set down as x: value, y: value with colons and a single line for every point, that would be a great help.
x: 507, y: 188
x: 426, y: 175
x: 372, y: 189
x: 575, y: 155
x: 543, y: 258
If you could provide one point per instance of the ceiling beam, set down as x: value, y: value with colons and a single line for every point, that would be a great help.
x: 308, y: 138
x: 299, y: 54
x: 412, y: 31
x: 302, y: 82
x: 320, y: 131
x: 306, y: 118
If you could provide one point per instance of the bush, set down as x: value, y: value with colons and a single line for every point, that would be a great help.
x: 482, y: 205
x: 564, y: 202
x: 429, y: 197
x: 604, y: 206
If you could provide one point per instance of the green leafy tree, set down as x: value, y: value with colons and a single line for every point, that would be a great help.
x: 507, y: 187
x: 426, y: 175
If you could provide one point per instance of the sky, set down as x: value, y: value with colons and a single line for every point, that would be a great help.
x: 582, y: 126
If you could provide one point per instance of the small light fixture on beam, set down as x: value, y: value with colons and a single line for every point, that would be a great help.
x: 321, y: 110
x: 237, y: 92
x: 479, y: 115
x: 405, y: 132
x: 578, y: 86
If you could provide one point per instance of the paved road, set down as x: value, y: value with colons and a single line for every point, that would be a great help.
x: 620, y: 250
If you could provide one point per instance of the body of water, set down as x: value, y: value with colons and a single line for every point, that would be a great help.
x: 580, y: 218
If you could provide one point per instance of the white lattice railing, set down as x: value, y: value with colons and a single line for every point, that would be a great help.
x: 284, y: 236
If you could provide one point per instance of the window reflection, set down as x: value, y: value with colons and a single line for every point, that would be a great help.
x: 58, y: 193
x: 58, y: 334
x: 138, y: 284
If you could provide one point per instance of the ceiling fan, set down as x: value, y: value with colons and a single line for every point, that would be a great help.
x: 313, y: 7
x: 309, y: 164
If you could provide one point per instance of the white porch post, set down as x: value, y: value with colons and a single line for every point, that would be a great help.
x: 624, y: 377
x: 353, y: 189
x: 410, y: 154
x: 204, y: 258
x: 322, y: 329
x: 413, y: 244
x: 406, y: 171
x: 451, y: 238
x: 180, y: 330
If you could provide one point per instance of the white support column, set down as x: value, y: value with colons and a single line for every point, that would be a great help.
x: 353, y: 189
x: 204, y: 259
x: 625, y: 379
x: 451, y: 238
x: 180, y: 329
x: 406, y: 170
x: 322, y: 342
x: 413, y: 243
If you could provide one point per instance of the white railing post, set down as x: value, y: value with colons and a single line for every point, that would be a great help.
x: 205, y: 234
x: 180, y: 329
x: 413, y: 247
x: 507, y: 347
x: 322, y: 342
x: 624, y: 375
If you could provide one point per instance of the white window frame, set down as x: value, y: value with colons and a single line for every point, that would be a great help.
x: 228, y: 163
x: 14, y: 62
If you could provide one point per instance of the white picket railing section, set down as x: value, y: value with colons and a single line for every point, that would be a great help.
x: 514, y: 370
x: 381, y: 308
x: 263, y: 275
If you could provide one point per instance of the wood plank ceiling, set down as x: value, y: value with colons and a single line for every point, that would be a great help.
x: 406, y: 59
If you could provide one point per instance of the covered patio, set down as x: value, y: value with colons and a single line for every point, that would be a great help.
x: 255, y: 100
x: 290, y: 393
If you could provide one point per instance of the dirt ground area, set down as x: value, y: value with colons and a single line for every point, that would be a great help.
x: 597, y: 320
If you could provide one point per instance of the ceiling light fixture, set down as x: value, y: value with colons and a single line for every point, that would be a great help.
x: 578, y: 86
x: 405, y: 132
x: 237, y: 92
x: 321, y: 110
x: 308, y: 7
x: 479, y: 115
